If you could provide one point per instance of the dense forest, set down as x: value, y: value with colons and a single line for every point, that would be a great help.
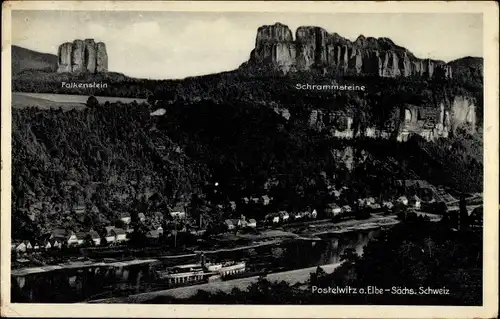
x: 116, y: 158
x: 413, y: 254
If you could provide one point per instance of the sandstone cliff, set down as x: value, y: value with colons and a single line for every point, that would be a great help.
x: 315, y: 48
x: 82, y: 56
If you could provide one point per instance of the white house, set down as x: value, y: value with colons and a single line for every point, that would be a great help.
x: 274, y: 218
x: 110, y: 237
x: 81, y: 237
x: 178, y: 211
x: 21, y: 247
x: 229, y: 224
x: 265, y: 200
x: 332, y: 209
x: 403, y: 200
x: 284, y: 216
x: 120, y: 234
x: 416, y: 202
x: 47, y: 245
x: 95, y: 237
x: 72, y: 239
x: 346, y: 209
x: 388, y: 204
x: 141, y: 217
x: 252, y: 223
x: 314, y: 214
x: 125, y: 217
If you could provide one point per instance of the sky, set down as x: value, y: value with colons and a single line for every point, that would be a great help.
x: 173, y: 45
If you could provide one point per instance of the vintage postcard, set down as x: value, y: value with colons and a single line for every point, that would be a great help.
x: 250, y: 159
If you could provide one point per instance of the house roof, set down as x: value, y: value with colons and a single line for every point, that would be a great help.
x: 179, y: 207
x: 119, y: 231
x: 265, y: 197
x: 81, y: 235
x: 252, y: 221
x: 141, y: 215
x: 59, y: 232
x: 333, y: 205
x: 153, y: 234
x: 94, y: 234
x: 229, y: 222
x: 124, y: 215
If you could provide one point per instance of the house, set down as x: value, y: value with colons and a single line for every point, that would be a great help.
x: 159, y: 229
x: 346, y: 209
x: 232, y: 205
x: 125, y: 217
x: 370, y: 200
x: 58, y: 233
x: 388, y: 204
x: 81, y: 237
x: 403, y: 200
x: 238, y: 222
x: 336, y: 193
x: 297, y: 215
x: 284, y: 216
x: 158, y: 216
x: 332, y: 210
x: 21, y: 247
x: 256, y: 200
x: 273, y: 218
x: 314, y: 213
x: 178, y: 211
x: 416, y: 202
x: 252, y: 223
x: 95, y: 237
x: 109, y: 237
x: 141, y: 217
x: 47, y: 245
x: 229, y: 224
x: 245, y: 200
x: 152, y: 234
x: 71, y: 239
x: 375, y: 206
x: 361, y: 202
x: 120, y: 234
x: 78, y: 209
x: 265, y: 200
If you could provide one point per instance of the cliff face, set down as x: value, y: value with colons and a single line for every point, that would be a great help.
x: 82, y: 56
x: 315, y: 48
x: 429, y: 123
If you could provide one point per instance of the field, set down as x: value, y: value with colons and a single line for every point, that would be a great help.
x: 67, y: 102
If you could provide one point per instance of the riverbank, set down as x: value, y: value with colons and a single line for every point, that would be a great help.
x: 267, y: 237
x: 292, y: 277
x: 79, y: 265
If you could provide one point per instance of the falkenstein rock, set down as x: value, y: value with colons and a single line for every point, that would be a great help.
x: 316, y: 49
x: 82, y: 56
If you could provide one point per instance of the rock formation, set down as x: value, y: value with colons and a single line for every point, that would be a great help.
x: 82, y: 56
x: 315, y: 48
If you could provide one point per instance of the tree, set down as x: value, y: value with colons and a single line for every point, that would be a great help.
x: 92, y: 102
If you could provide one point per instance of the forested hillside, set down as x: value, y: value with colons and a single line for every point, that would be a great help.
x: 117, y: 158
x: 110, y: 159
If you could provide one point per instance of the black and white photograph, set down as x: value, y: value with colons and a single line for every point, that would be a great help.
x: 232, y: 157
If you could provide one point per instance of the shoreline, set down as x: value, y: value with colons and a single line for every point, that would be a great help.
x: 294, y: 276
x: 352, y: 226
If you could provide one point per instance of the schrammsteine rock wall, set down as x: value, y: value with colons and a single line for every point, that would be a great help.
x: 82, y: 56
x: 315, y: 48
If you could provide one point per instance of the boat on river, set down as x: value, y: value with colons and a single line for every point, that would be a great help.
x: 201, y: 272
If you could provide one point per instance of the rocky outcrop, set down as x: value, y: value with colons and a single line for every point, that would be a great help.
x: 315, y: 48
x: 82, y: 56
x: 102, y: 58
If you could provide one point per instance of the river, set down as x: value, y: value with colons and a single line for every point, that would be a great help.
x: 84, y: 284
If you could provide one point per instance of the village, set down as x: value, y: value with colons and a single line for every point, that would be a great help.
x: 177, y: 220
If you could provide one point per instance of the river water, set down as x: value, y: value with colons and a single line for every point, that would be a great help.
x: 80, y: 285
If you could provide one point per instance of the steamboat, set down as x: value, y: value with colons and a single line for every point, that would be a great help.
x: 201, y: 272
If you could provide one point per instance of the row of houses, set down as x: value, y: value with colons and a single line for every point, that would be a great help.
x: 241, y: 222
